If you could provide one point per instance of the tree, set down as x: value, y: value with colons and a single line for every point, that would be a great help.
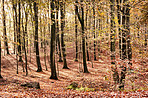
x: 14, y: 24
x: 0, y: 59
x: 57, y: 31
x: 19, y: 31
x: 87, y: 30
x: 25, y: 36
x: 112, y: 35
x: 36, y: 36
x: 81, y: 19
x: 146, y: 37
x: 128, y: 35
x: 4, y: 28
x: 94, y: 30
x: 112, y: 45
x: 126, y: 46
x: 52, y: 43
x: 62, y: 5
x: 119, y: 24
x: 76, y: 35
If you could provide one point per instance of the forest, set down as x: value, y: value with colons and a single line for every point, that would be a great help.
x: 73, y: 48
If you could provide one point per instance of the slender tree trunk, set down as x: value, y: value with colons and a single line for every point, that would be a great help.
x: 129, y: 48
x: 26, y: 36
x: 146, y: 37
x: 76, y: 35
x: 86, y: 35
x: 52, y: 43
x: 62, y: 33
x: 26, y: 17
x: 57, y: 31
x: 41, y: 32
x: 99, y: 28
x: 36, y: 37
x: 23, y: 37
x: 119, y: 25
x: 124, y: 55
x: 112, y: 45
x: 126, y: 47
x: 81, y: 19
x: 0, y: 58
x: 94, y: 30
x: 112, y: 35
x: 14, y: 26
x: 19, y: 32
x: 45, y: 43
x: 4, y: 28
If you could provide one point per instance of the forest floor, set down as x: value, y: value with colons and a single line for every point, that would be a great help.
x: 99, y: 78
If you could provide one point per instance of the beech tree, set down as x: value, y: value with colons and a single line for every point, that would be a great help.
x: 62, y: 5
x: 19, y: 31
x: 52, y: 42
x: 4, y: 28
x: 76, y: 35
x: 57, y: 31
x: 0, y: 59
x: 36, y: 36
x: 81, y: 19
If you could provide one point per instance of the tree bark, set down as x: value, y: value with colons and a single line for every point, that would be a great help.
x: 14, y: 25
x: 4, y: 28
x: 62, y: 33
x: 57, y: 31
x: 52, y: 43
x: 0, y: 58
x: 119, y: 25
x: 112, y: 35
x: 81, y: 19
x: 36, y: 37
x: 146, y: 37
x: 86, y: 35
x: 128, y: 39
x: 19, y: 32
x: 94, y: 30
x: 76, y: 35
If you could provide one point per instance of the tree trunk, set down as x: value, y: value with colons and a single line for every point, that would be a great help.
x: 129, y: 48
x: 0, y: 58
x: 26, y: 17
x: 86, y: 35
x: 4, y: 28
x: 76, y: 35
x: 57, y: 31
x: 112, y: 35
x: 124, y: 55
x: 41, y: 32
x: 19, y: 32
x: 146, y: 37
x: 81, y: 19
x: 26, y: 36
x: 62, y: 33
x: 119, y: 25
x: 14, y: 25
x: 52, y: 43
x: 36, y: 37
x: 112, y: 45
x: 94, y: 30
x: 45, y: 43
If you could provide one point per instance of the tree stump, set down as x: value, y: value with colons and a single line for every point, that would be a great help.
x: 31, y: 85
